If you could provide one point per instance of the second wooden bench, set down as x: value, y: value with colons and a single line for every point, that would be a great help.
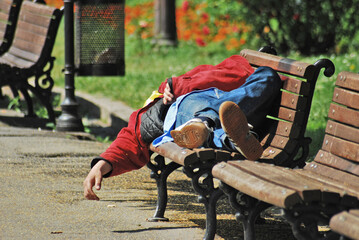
x: 310, y: 196
x: 26, y: 66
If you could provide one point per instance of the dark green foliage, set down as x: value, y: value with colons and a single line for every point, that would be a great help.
x: 307, y: 26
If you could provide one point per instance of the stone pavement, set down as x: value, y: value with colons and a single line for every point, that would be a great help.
x: 41, y: 174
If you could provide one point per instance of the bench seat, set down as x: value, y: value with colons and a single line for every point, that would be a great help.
x: 346, y: 223
x: 29, y: 55
x: 324, y: 187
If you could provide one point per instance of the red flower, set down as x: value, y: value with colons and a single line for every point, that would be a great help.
x: 296, y: 17
x: 205, y: 17
x: 235, y: 29
x: 206, y: 30
x: 200, y: 42
x: 185, y: 6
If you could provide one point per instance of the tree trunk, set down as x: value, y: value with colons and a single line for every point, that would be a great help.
x: 165, y: 31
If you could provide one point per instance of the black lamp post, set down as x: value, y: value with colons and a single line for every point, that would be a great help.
x: 69, y: 119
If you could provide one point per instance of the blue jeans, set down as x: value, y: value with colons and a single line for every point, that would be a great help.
x: 255, y: 98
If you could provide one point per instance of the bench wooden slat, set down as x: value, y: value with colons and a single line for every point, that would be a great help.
x: 2, y: 28
x: 342, y: 131
x: 290, y: 115
x: 345, y: 178
x: 40, y: 9
x: 24, y: 54
x: 274, y: 155
x: 334, y: 161
x: 26, y: 35
x: 281, y: 64
x: 348, y: 80
x: 341, y: 148
x: 344, y: 115
x: 4, y: 16
x: 34, y: 28
x: 14, y: 61
x: 346, y: 97
x: 287, y: 129
x: 346, y: 224
x: 271, y: 152
x: 293, y: 101
x: 26, y: 50
x: 38, y: 15
x: 348, y: 189
x: 343, y: 195
x: 308, y: 191
x: 256, y: 187
x: 189, y: 157
x: 37, y: 20
x: 281, y: 142
x: 5, y: 5
x: 296, y: 86
x: 24, y: 46
x: 277, y: 148
x: 182, y: 156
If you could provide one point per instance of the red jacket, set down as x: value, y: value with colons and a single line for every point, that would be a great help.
x: 128, y: 152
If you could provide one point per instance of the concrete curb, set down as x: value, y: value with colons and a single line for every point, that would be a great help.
x: 114, y: 114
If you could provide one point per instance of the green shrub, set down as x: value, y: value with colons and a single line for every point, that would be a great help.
x: 306, y: 26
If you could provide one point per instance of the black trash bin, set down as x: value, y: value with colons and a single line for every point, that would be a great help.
x: 100, y: 37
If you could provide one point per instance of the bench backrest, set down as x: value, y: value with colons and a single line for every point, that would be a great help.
x: 9, y: 11
x: 34, y: 36
x: 286, y: 126
x: 340, y: 149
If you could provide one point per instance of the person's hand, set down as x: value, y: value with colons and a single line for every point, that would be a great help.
x: 94, y: 179
x: 168, y: 97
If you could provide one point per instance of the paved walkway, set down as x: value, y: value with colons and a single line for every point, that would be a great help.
x: 41, y: 174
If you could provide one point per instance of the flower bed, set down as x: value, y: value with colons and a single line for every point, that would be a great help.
x: 194, y: 25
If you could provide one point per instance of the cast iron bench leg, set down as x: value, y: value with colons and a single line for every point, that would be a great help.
x: 211, y: 215
x: 247, y: 209
x: 202, y: 182
x: 160, y: 173
x: 30, y: 107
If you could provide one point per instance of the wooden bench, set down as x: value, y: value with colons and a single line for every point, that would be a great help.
x: 346, y: 224
x: 310, y: 196
x: 29, y: 55
x: 9, y: 11
x: 283, y: 136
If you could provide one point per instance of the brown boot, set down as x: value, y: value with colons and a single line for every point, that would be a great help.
x: 192, y: 134
x: 235, y: 125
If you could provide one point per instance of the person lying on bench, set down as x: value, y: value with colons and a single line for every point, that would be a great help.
x: 186, y: 109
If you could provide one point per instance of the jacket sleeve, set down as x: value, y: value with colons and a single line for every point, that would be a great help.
x: 228, y: 75
x: 127, y: 152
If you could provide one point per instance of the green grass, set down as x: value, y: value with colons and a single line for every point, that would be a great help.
x: 146, y: 68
